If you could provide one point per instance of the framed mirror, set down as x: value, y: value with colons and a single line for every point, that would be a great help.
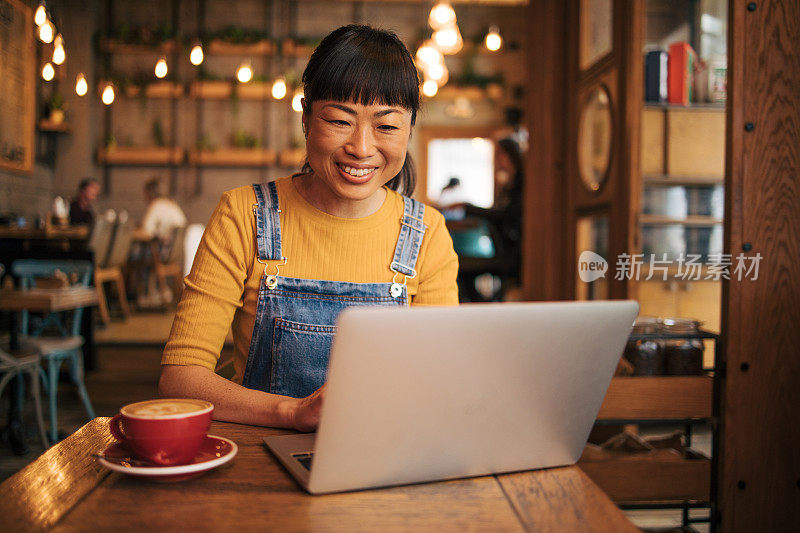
x: 595, y: 132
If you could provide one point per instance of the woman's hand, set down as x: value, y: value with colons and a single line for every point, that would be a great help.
x: 307, y: 410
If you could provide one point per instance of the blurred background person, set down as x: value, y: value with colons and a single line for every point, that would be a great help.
x: 81, y: 209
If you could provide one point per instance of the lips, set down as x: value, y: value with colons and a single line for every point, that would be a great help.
x: 356, y: 174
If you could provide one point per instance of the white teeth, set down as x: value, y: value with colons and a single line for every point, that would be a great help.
x: 358, y: 172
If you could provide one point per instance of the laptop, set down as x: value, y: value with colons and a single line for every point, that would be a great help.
x: 427, y: 394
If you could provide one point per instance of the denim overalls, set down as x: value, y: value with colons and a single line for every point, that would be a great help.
x: 295, y: 318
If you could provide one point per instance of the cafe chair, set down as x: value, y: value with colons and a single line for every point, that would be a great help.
x: 168, y: 263
x: 100, y: 244
x: 54, y: 350
x: 12, y: 367
x: 110, y: 270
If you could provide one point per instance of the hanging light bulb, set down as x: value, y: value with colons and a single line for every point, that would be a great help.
x: 59, y: 55
x: 448, y: 39
x: 245, y: 73
x: 48, y: 72
x: 41, y: 14
x: 428, y: 54
x: 161, y: 67
x: 297, y: 101
x: 493, y: 40
x: 81, y: 87
x: 441, y: 15
x: 437, y: 73
x: 196, y: 55
x: 279, y: 89
x: 46, y: 32
x: 108, y: 94
x: 430, y: 88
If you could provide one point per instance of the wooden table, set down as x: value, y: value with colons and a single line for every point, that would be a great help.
x: 48, y: 232
x: 66, y: 489
x: 47, y: 300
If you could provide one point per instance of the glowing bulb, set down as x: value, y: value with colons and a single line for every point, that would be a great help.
x: 81, y: 87
x: 297, y: 101
x: 46, y: 32
x: 437, y: 73
x: 48, y: 72
x: 493, y: 39
x: 245, y: 73
x: 108, y: 94
x: 279, y: 89
x: 161, y: 68
x: 41, y: 14
x: 441, y: 14
x: 428, y: 54
x: 430, y: 88
x: 59, y: 55
x: 196, y: 55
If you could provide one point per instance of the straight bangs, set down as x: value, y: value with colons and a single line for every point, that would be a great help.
x: 363, y: 65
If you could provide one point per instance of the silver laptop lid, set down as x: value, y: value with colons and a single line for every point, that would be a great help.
x: 435, y: 393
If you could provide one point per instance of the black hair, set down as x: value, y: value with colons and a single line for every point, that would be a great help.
x: 514, y: 188
x: 85, y: 182
x: 358, y: 63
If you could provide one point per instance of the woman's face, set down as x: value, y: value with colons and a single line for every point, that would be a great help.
x: 354, y: 150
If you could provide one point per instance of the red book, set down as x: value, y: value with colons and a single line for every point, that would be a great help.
x: 679, y: 73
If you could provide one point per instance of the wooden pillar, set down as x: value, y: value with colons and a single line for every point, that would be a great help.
x: 759, y: 476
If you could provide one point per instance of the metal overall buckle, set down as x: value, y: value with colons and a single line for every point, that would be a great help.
x: 271, y: 280
x: 396, y: 289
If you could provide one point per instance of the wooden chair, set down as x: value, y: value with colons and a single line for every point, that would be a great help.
x: 100, y: 244
x: 169, y: 263
x: 54, y: 350
x: 111, y: 269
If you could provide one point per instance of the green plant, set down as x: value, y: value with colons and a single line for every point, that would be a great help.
x: 111, y: 141
x: 158, y: 133
x: 242, y: 139
x: 56, y: 102
x: 204, y: 144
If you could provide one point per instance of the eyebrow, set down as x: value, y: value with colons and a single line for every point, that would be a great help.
x: 351, y: 111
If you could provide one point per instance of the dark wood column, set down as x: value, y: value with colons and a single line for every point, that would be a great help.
x: 759, y: 478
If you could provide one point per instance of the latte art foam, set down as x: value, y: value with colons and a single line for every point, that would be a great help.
x: 161, y: 408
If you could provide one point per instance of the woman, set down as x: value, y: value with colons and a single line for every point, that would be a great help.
x: 279, y: 261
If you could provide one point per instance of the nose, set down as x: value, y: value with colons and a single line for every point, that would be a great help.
x: 361, y: 143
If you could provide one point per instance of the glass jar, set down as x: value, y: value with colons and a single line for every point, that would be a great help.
x: 682, y: 357
x: 646, y: 355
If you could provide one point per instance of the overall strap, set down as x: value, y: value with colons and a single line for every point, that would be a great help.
x: 408, y: 243
x: 268, y: 221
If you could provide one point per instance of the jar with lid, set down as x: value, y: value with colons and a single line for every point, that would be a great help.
x: 682, y: 357
x: 646, y: 355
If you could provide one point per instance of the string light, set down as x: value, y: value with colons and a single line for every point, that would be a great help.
x: 437, y: 73
x: 161, y: 68
x: 81, y: 87
x: 108, y: 94
x: 196, y: 55
x: 46, y: 31
x: 279, y: 89
x: 59, y: 55
x: 448, y: 39
x: 430, y: 88
x: 48, y: 72
x: 297, y: 101
x: 41, y: 14
x: 428, y: 54
x: 442, y: 14
x: 493, y: 40
x: 245, y: 73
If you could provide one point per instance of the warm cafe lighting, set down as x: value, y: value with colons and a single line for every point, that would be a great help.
x: 438, y: 73
x: 161, y: 68
x: 441, y: 15
x: 59, y: 55
x: 430, y: 88
x: 81, y: 87
x: 297, y: 101
x: 493, y: 40
x: 279, y: 89
x: 108, y: 94
x: 428, y: 54
x: 46, y: 32
x: 448, y: 39
x: 245, y: 73
x: 196, y: 55
x: 41, y: 14
x: 48, y: 72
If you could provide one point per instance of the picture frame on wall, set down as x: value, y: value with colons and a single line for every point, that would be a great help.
x: 17, y: 82
x: 596, y: 31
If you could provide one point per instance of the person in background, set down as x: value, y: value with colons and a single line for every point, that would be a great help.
x: 81, y: 210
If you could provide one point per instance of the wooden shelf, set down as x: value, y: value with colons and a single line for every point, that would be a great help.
x: 141, y: 156
x: 452, y: 92
x: 658, y: 398
x: 292, y: 48
x: 211, y: 90
x: 53, y: 127
x: 117, y: 47
x: 225, y: 48
x: 636, y: 478
x: 233, y: 157
x: 292, y: 157
x: 667, y: 180
x: 695, y: 220
x: 691, y: 107
x: 159, y: 89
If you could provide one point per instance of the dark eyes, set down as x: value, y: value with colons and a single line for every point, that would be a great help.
x: 383, y: 127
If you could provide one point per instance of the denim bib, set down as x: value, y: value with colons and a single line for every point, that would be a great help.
x: 294, y: 325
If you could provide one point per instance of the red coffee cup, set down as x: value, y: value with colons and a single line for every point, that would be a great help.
x: 164, y: 432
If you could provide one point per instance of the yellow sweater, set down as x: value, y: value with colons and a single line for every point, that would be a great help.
x: 221, y: 290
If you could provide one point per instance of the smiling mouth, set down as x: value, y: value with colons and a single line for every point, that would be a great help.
x: 356, y: 172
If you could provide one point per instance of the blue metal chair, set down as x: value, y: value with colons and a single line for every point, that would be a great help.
x: 67, y: 344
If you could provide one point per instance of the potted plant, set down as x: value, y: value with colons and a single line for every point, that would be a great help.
x: 56, y: 108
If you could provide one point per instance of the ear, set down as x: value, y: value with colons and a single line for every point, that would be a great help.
x: 304, y: 117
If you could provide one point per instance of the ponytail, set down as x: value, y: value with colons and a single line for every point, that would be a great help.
x: 405, y: 182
